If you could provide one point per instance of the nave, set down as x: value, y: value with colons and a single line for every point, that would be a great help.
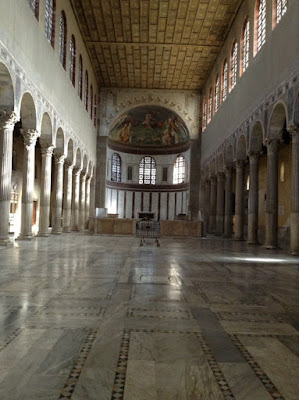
x: 98, y: 317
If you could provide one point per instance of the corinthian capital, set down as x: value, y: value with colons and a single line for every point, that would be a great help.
x: 272, y: 145
x: 59, y: 158
x: 293, y: 129
x: 8, y: 120
x: 47, y: 150
x: 30, y: 136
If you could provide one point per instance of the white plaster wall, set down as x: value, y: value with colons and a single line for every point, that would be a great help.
x: 274, y: 63
x: 24, y: 38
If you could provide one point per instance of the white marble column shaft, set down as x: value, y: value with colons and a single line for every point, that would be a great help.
x: 30, y: 136
x: 213, y: 200
x: 92, y: 205
x: 7, y: 123
x: 58, y: 194
x: 87, y: 202
x: 75, y: 199
x: 220, y: 204
x: 67, y: 199
x: 82, y: 202
x: 45, y: 194
x: 207, y: 205
x: 272, y: 194
x: 239, y: 202
x: 294, y: 223
x: 228, y: 212
x: 253, y: 199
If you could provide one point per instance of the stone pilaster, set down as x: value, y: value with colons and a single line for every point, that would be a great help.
x: 213, y: 200
x: 294, y: 223
x: 75, y: 199
x: 272, y: 194
x: 45, y: 194
x: 82, y: 202
x: 239, y: 205
x: 220, y: 203
x: 58, y: 194
x: 7, y: 123
x: 100, y: 199
x: 253, y: 199
x: 30, y: 136
x: 207, y: 205
x: 228, y: 208
x: 67, y: 198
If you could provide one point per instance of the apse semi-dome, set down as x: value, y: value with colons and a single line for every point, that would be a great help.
x: 149, y: 126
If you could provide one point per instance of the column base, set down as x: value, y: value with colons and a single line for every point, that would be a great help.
x: 67, y: 230
x: 25, y: 237
x: 252, y: 242
x: 270, y: 247
x: 6, y: 243
x: 56, y: 233
x: 40, y: 234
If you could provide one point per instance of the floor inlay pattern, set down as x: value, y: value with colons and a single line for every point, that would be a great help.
x: 90, y: 317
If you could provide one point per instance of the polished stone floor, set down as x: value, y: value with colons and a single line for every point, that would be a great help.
x: 99, y: 318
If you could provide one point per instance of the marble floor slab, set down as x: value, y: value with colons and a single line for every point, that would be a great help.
x: 94, y: 317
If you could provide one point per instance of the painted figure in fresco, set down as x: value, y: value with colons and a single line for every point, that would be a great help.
x: 148, y: 121
x: 166, y: 138
x: 126, y: 132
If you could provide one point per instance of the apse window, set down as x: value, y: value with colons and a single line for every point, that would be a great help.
x: 260, y: 24
x: 179, y: 170
x: 281, y: 9
x: 147, y: 171
x: 50, y: 21
x: 34, y: 5
x: 116, y: 168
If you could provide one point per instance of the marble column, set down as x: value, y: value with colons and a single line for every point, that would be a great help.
x: 194, y: 180
x: 100, y: 199
x: 75, y: 199
x: 213, y: 200
x: 7, y: 123
x: 82, y: 202
x: 220, y: 203
x: 30, y: 136
x: 228, y: 211
x: 92, y: 209
x: 45, y: 194
x: 207, y: 205
x: 67, y: 199
x: 272, y: 194
x: 253, y: 199
x: 239, y: 203
x: 294, y: 222
x: 58, y: 194
x: 87, y: 202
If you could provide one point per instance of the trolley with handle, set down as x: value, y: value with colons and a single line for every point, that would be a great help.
x: 148, y: 229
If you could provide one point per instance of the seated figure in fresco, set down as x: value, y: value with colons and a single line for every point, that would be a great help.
x: 125, y: 132
x: 166, y: 138
x: 148, y: 121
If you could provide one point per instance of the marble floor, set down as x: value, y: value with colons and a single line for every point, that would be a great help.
x: 88, y: 317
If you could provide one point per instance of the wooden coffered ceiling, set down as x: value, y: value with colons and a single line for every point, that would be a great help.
x: 161, y: 44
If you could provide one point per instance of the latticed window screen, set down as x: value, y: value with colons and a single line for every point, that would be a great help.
x: 50, y: 21
x: 80, y: 78
x: 281, y: 9
x: 234, y: 65
x: 216, y: 94
x: 86, y: 91
x: 116, y: 168
x: 73, y: 60
x: 245, y: 45
x: 147, y: 171
x: 261, y: 24
x: 34, y: 5
x: 179, y: 170
x: 62, y: 39
x: 224, y: 81
x: 204, y: 114
x: 210, y: 105
x: 91, y: 102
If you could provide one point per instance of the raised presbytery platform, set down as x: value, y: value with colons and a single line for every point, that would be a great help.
x: 127, y: 226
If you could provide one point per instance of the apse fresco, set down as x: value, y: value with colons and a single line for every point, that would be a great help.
x: 149, y: 126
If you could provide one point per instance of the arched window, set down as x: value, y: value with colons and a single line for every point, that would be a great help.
x: 86, y: 91
x: 73, y: 60
x: 50, y: 21
x: 62, y: 39
x: 224, y: 81
x: 210, y: 105
x: 233, y: 65
x: 34, y: 5
x: 116, y: 168
x: 147, y: 171
x: 204, y: 113
x: 91, y: 102
x: 216, y: 94
x: 260, y: 24
x: 179, y: 170
x: 80, y: 78
x: 280, y: 9
x: 245, y: 45
x: 95, y: 111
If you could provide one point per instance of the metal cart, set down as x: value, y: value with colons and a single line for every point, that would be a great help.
x: 147, y: 228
